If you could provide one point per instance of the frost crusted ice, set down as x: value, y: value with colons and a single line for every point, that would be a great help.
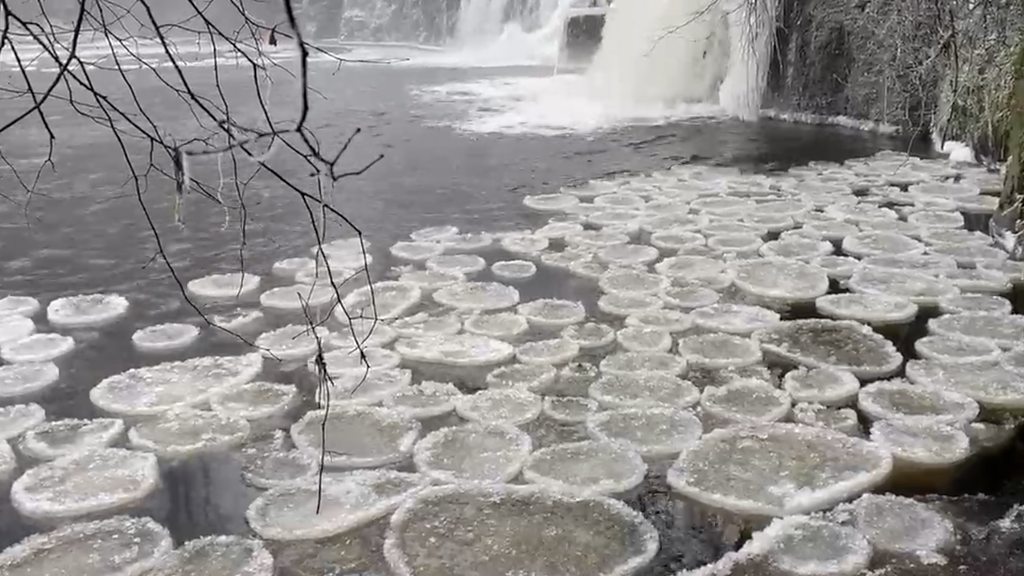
x: 223, y: 287
x: 93, y: 482
x: 824, y: 386
x: 718, y: 351
x: 653, y: 390
x: 778, y: 469
x: 901, y: 400
x: 164, y: 338
x: 654, y: 433
x: 118, y: 546
x: 495, y: 530
x: 181, y: 433
x: 217, y: 556
x: 743, y: 402
x: 839, y: 344
x: 344, y: 502
x: 588, y: 468
x: 491, y: 453
x: 58, y: 438
x: 511, y: 406
x: 456, y: 350
x: 357, y: 437
x: 15, y: 419
x: 477, y: 296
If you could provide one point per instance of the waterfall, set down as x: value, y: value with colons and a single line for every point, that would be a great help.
x: 480, y: 20
x: 667, y: 52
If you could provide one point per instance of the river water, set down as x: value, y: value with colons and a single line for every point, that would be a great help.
x: 84, y: 231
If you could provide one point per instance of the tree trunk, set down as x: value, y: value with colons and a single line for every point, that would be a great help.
x: 1013, y: 189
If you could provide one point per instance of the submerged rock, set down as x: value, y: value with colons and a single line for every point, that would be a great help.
x: 778, y: 469
x: 119, y: 546
x: 516, y: 530
x: 839, y: 344
x: 492, y: 453
x: 94, y: 482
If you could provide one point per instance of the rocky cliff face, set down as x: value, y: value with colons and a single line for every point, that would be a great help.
x: 926, y: 66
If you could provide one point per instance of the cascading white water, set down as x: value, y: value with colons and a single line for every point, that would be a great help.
x: 480, y: 20
x: 666, y: 52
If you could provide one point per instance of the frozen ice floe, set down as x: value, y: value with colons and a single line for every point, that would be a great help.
x: 15, y: 419
x: 632, y: 282
x: 165, y: 338
x: 533, y: 377
x: 671, y: 321
x: 590, y: 336
x: 500, y: 325
x: 477, y: 296
x: 990, y: 385
x: 58, y: 438
x: 900, y: 400
x: 118, y: 546
x: 779, y: 280
x: 149, y: 390
x: 416, y: 251
x: 1005, y: 331
x: 428, y: 280
x: 867, y: 244
x: 569, y: 409
x: 19, y: 306
x: 778, y: 469
x: 357, y: 437
x: 548, y: 313
x: 554, y: 351
x: 524, y: 245
x: 689, y: 297
x: 643, y: 391
x: 976, y: 303
x: 805, y: 546
x: 654, y: 433
x: 495, y: 529
x: 717, y: 351
x: 628, y: 255
x: 88, y: 311
x: 468, y: 242
x: 586, y: 468
x: 921, y: 289
x: 94, y: 482
x: 217, y: 556
x: 26, y: 379
x: 644, y: 339
x: 256, y: 400
x: 239, y: 320
x: 467, y: 265
x: 267, y: 467
x: 739, y: 319
x: 825, y: 386
x: 424, y: 324
x: 223, y: 287
x: 381, y: 300
x: 14, y: 328
x: 514, y: 270
x: 743, y: 402
x: 456, y: 350
x: 428, y: 399
x: 492, y: 453
x: 511, y: 406
x: 296, y: 298
x: 955, y: 350
x: 633, y: 363
x: 434, y: 233
x: 873, y: 309
x: 839, y: 419
x: 920, y: 444
x: 903, y: 526
x: 551, y: 202
x: 839, y: 344
x: 342, y: 503
x: 291, y: 342
x: 622, y: 304
x: 289, y: 267
x: 39, y: 347
x: 182, y: 433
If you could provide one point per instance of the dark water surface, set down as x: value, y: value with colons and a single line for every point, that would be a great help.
x: 84, y: 232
